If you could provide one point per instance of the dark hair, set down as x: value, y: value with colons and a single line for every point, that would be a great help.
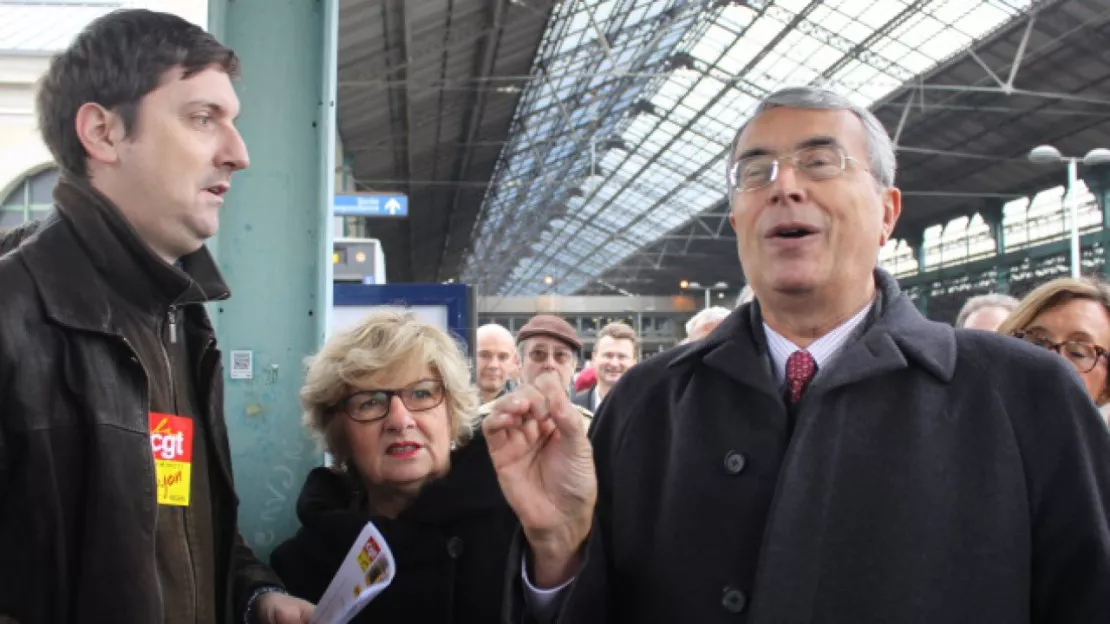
x: 115, y: 62
x: 14, y: 237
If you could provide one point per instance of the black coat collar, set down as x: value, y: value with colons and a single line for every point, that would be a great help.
x: 87, y: 246
x: 898, y: 336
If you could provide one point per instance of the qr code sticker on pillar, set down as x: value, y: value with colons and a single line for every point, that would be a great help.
x: 242, y: 364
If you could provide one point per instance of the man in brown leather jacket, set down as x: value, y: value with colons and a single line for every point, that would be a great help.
x: 116, y: 494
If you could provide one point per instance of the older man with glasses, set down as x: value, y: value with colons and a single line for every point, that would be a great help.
x: 827, y: 454
x: 548, y: 344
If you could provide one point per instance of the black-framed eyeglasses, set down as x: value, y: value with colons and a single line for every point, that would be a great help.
x: 367, y: 406
x: 817, y: 162
x: 1083, y: 355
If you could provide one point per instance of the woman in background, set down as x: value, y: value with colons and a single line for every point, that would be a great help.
x: 1071, y: 317
x: 391, y: 400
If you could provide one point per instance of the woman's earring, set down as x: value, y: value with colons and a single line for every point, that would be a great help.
x: 454, y: 445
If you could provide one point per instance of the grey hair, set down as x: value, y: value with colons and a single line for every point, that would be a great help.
x: 500, y: 330
x: 716, y: 313
x: 880, y: 149
x: 746, y: 295
x: 990, y: 300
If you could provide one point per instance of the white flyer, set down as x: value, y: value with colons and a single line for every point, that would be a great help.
x: 242, y: 365
x: 365, y: 572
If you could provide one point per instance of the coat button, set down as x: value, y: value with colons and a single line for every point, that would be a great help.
x: 733, y: 600
x: 735, y: 462
x: 454, y: 547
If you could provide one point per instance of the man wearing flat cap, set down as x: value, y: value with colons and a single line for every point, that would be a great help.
x: 547, y: 343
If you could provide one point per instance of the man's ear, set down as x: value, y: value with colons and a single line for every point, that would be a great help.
x: 100, y: 131
x: 892, y: 209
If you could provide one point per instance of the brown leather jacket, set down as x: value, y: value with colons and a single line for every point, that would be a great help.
x: 77, y: 501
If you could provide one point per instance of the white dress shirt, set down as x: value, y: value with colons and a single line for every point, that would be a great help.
x: 823, y: 350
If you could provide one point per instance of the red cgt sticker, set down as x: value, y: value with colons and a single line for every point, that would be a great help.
x: 171, y: 441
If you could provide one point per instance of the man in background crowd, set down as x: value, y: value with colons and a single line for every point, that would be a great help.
x: 498, y: 361
x: 746, y: 296
x: 986, y: 311
x: 614, y: 354
x: 703, y: 323
x: 548, y: 344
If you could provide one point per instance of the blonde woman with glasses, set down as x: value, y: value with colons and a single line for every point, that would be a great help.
x: 391, y: 400
x: 1071, y: 317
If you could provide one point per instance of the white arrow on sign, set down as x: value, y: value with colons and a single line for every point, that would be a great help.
x: 393, y: 206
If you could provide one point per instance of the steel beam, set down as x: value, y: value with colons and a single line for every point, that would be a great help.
x: 1005, y: 88
x: 1020, y: 52
x: 752, y: 63
x: 483, y: 67
x: 545, y: 198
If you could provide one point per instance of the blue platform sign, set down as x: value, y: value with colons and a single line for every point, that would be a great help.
x: 371, y: 205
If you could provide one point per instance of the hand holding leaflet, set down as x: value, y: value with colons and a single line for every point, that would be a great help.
x: 365, y: 572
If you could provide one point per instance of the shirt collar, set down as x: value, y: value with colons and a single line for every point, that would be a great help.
x: 823, y: 349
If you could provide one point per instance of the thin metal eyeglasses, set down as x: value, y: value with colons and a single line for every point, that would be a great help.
x: 366, y: 406
x: 1083, y: 355
x: 817, y: 162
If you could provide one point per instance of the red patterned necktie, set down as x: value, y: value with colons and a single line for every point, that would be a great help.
x: 800, y: 369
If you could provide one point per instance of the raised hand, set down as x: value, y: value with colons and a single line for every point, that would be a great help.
x: 545, y: 467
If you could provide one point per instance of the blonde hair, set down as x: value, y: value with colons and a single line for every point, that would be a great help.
x: 381, y: 342
x: 1054, y: 293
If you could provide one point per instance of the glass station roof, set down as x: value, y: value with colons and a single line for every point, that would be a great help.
x: 46, y: 26
x: 624, y: 125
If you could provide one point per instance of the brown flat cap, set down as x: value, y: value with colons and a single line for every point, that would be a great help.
x: 549, y: 325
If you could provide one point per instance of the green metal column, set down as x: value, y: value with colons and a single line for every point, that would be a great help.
x: 1097, y: 179
x: 275, y: 248
x: 924, y: 288
x: 347, y: 185
x: 916, y: 240
x: 27, y: 199
x: 993, y: 216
